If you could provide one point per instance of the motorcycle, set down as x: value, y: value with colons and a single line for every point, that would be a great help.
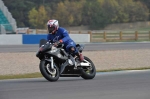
x: 55, y: 62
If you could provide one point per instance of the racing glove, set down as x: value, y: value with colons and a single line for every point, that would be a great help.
x: 57, y: 43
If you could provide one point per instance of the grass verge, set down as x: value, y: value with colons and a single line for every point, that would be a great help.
x: 37, y: 75
x: 19, y: 76
x: 120, y: 69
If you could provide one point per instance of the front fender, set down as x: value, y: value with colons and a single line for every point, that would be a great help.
x: 48, y: 60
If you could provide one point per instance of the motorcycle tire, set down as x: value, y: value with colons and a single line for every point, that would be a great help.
x: 92, y: 73
x: 45, y: 72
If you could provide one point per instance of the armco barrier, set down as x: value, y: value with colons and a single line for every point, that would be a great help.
x: 80, y: 37
x: 19, y: 39
x: 10, y: 39
x: 32, y: 39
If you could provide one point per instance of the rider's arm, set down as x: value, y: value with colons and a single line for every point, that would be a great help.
x: 66, y: 36
x: 49, y: 38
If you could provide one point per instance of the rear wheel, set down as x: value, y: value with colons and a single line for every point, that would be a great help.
x: 47, y: 72
x: 88, y: 72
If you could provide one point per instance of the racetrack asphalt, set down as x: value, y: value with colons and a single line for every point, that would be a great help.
x: 112, y: 85
x: 88, y: 47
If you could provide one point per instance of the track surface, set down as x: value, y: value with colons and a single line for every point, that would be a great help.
x: 118, y: 85
x: 88, y: 47
x: 113, y: 85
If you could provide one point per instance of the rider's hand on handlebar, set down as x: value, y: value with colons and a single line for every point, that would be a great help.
x: 58, y: 43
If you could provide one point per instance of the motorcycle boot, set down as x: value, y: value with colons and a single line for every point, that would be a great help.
x: 78, y: 54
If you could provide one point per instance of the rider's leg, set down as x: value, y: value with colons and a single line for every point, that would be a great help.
x: 81, y: 57
x: 71, y: 48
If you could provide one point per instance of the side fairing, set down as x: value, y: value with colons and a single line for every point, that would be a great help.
x: 56, y: 54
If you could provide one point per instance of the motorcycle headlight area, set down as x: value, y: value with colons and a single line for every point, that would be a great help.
x: 53, y: 50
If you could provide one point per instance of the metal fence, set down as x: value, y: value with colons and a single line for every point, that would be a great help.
x: 104, y: 36
x: 120, y: 36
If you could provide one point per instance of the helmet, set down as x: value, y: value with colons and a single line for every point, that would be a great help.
x: 53, y: 26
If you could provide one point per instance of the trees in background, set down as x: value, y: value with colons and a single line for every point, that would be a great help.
x: 94, y: 13
x: 37, y: 18
x: 147, y: 3
x: 69, y: 13
x: 99, y: 13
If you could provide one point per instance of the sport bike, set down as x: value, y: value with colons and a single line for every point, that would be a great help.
x: 55, y: 62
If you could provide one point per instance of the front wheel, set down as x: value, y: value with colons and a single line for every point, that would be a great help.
x: 88, y: 73
x: 47, y: 72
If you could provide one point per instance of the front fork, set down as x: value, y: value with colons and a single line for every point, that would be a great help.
x: 52, y: 63
x: 51, y: 60
x: 50, y: 68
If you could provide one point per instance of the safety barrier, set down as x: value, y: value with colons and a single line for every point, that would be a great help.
x: 32, y: 39
x: 85, y: 38
x: 19, y: 39
x: 10, y: 39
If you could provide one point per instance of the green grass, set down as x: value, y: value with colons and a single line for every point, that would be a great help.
x: 37, y: 75
x: 18, y: 76
x: 120, y: 69
x: 144, y: 29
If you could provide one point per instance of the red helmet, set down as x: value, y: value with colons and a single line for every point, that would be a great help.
x: 52, y: 26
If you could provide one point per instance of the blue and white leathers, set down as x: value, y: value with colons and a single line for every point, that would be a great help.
x: 62, y: 34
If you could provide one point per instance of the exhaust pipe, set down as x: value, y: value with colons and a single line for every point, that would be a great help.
x: 84, y: 64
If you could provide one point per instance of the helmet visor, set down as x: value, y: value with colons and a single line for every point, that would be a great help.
x: 51, y: 28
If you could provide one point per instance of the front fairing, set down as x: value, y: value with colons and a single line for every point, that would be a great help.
x: 43, y: 49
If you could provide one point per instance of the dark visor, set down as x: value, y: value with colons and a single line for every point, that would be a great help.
x: 50, y: 29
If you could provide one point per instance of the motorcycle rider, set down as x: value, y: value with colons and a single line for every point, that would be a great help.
x: 59, y: 35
